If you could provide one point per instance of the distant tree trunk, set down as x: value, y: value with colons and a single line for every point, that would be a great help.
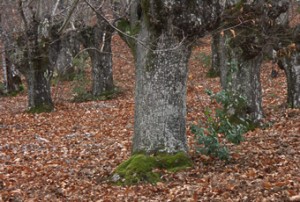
x: 13, y: 78
x: 244, y: 48
x: 69, y: 48
x: 165, y: 35
x: 97, y: 40
x: 289, y: 58
x: 4, y: 69
x: 292, y: 70
x: 241, y: 76
x: 217, y: 54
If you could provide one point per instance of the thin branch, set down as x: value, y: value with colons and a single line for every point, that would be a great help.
x: 69, y: 16
x: 54, y: 9
x: 132, y: 37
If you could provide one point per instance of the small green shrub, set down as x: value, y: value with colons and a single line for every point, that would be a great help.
x: 225, y: 125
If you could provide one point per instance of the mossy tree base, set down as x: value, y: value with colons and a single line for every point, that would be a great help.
x: 140, y: 167
x: 41, y: 109
x: 88, y: 96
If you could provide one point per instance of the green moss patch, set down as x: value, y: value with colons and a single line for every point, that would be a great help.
x: 45, y: 108
x: 142, y: 168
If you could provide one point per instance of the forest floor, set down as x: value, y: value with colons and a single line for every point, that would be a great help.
x: 69, y: 154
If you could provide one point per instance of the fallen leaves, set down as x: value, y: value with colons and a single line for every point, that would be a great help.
x: 68, y: 155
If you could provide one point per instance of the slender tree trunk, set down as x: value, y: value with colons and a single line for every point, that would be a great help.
x: 217, y: 59
x: 4, y: 69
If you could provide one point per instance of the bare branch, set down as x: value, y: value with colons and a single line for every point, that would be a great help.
x: 132, y: 37
x: 69, y: 16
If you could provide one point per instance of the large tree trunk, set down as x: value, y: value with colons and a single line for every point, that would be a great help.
x: 160, y: 102
x: 241, y: 76
x: 35, y: 65
x: 97, y: 40
x: 38, y: 77
x: 162, y: 53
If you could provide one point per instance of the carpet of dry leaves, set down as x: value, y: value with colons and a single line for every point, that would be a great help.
x: 68, y: 155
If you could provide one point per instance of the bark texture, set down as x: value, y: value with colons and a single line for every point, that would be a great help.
x: 167, y: 29
x: 69, y: 48
x: 97, y: 40
x: 34, y: 61
x: 292, y: 70
x: 217, y: 58
x: 289, y: 59
x: 241, y: 76
x: 245, y: 44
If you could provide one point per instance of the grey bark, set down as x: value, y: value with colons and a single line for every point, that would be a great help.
x: 35, y: 62
x: 245, y: 45
x: 217, y: 54
x: 290, y: 61
x: 241, y: 76
x: 4, y: 68
x: 97, y: 40
x: 69, y: 48
x: 292, y: 70
x: 162, y: 53
x: 11, y: 79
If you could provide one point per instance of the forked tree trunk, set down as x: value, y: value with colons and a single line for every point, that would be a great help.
x: 36, y: 68
x: 97, y: 40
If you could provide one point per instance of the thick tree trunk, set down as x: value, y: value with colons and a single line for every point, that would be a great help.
x: 166, y: 31
x: 38, y: 69
x: 38, y: 77
x: 97, y: 40
x: 160, y: 102
x: 39, y: 94
x: 241, y: 76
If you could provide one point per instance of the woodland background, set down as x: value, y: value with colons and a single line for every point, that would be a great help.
x: 70, y: 153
